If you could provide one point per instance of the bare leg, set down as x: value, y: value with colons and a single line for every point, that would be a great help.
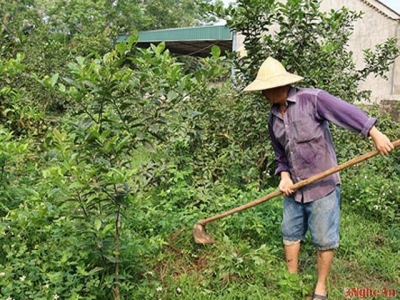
x: 324, y: 262
x: 292, y: 257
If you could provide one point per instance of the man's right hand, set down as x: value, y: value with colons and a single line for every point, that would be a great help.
x: 286, y: 184
x: 382, y: 142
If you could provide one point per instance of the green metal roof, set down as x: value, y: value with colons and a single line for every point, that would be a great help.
x: 196, y: 41
x: 205, y: 33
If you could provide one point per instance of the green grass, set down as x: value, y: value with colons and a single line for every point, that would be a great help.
x: 248, y: 263
x: 369, y: 255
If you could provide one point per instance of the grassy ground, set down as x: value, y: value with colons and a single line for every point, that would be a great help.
x: 247, y: 262
x: 367, y: 260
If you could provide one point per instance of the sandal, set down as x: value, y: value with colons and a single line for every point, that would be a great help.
x: 316, y: 296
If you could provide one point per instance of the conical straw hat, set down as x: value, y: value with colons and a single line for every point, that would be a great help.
x: 270, y: 75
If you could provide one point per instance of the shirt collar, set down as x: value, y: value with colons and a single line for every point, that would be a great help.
x: 292, y: 95
x: 291, y: 98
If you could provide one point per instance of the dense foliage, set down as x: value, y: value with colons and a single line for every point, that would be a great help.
x: 308, y: 41
x: 109, y: 157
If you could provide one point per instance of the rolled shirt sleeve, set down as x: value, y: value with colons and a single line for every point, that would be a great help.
x: 343, y: 114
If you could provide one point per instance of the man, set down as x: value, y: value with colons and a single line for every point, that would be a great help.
x: 300, y: 136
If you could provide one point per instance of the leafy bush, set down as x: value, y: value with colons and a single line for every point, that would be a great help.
x: 101, y: 202
x: 371, y: 188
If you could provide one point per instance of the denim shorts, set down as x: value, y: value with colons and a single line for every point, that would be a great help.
x: 321, y: 217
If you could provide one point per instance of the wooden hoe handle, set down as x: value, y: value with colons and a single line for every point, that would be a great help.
x: 296, y: 186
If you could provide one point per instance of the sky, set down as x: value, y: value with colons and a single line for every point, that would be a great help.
x: 226, y: 2
x: 393, y: 4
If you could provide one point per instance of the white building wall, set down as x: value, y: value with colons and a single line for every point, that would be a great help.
x: 374, y: 28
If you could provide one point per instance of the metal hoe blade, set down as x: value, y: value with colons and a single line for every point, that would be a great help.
x: 201, y: 236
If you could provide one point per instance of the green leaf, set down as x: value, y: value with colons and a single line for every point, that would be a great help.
x: 172, y: 95
x: 121, y: 47
x: 149, y: 146
x: 76, y: 185
x: 215, y: 51
x: 54, y: 79
x: 97, y: 224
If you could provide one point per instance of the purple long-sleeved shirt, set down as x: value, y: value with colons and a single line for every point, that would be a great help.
x: 302, y: 140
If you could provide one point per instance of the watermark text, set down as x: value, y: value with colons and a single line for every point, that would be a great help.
x: 366, y: 292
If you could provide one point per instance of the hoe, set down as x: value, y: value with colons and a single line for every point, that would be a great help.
x: 199, y: 229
